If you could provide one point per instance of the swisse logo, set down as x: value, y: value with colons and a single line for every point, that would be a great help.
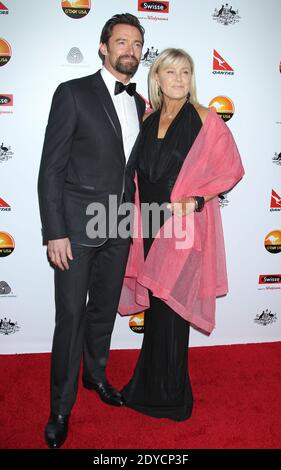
x: 6, y: 100
x: 156, y: 7
x: 270, y: 279
x: 270, y: 282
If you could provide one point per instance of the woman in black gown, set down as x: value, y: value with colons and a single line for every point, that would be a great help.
x: 160, y: 385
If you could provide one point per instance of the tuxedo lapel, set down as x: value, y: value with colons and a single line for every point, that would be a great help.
x: 106, y: 102
x: 139, y: 109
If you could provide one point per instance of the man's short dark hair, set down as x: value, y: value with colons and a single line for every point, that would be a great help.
x: 123, y: 18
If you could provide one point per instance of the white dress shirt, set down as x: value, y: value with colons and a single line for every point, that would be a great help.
x: 126, y: 110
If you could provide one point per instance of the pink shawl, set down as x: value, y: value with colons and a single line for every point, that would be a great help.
x: 188, y: 277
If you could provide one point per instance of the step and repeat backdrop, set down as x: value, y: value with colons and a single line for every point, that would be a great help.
x: 237, y: 54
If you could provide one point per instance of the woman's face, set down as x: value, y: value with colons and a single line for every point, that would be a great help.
x: 175, y: 80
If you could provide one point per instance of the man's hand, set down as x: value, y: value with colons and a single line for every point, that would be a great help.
x: 184, y: 206
x: 59, y: 252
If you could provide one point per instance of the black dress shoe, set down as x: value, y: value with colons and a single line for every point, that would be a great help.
x: 107, y: 393
x: 56, y: 430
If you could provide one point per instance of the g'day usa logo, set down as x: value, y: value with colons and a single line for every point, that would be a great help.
x: 5, y: 52
x: 76, y: 9
x: 153, y: 7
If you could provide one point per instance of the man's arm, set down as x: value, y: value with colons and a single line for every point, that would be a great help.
x: 53, y: 168
x: 55, y: 158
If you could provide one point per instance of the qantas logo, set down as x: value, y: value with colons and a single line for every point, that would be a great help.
x: 220, y: 66
x: 275, y: 203
x: 3, y: 9
x: 4, y: 206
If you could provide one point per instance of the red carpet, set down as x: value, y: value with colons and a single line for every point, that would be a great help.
x: 237, y: 404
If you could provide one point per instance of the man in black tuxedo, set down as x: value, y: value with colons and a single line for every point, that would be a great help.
x: 89, y: 156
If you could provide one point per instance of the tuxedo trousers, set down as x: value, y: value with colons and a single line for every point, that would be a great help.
x: 86, y: 297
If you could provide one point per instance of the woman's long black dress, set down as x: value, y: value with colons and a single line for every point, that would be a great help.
x: 160, y: 385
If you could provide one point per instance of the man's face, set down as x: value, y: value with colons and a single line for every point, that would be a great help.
x: 123, y: 51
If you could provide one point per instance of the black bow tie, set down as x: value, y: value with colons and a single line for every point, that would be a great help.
x: 120, y: 87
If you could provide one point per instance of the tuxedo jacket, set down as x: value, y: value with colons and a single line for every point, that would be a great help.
x: 83, y: 159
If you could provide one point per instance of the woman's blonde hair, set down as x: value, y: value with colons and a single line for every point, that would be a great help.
x: 165, y: 59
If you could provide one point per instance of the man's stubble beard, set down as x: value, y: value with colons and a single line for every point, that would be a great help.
x: 129, y: 69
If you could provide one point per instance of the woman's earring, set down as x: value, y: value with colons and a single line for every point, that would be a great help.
x: 188, y: 96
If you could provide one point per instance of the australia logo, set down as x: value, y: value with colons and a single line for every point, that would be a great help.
x: 226, y: 15
x: 277, y: 158
x: 8, y: 327
x: 5, y: 153
x: 149, y: 56
x: 223, y: 200
x: 266, y: 317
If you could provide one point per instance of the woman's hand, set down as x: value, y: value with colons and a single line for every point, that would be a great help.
x: 184, y: 206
